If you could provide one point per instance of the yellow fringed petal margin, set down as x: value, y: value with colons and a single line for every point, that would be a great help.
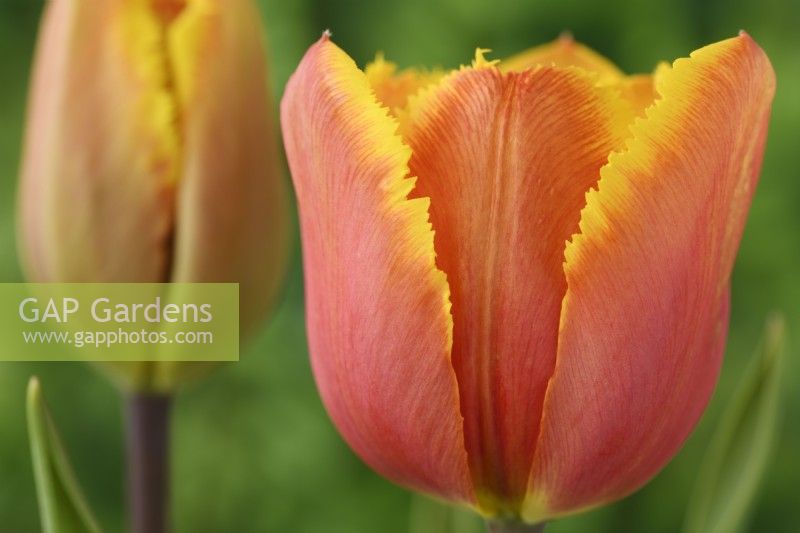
x: 392, y: 87
x: 564, y: 52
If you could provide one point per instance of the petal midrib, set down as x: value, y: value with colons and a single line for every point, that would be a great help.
x: 491, y: 460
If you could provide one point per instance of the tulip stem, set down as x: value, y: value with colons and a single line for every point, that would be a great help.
x: 502, y: 526
x: 148, y: 461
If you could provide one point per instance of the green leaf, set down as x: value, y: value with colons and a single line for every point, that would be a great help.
x: 62, y: 506
x: 740, y: 448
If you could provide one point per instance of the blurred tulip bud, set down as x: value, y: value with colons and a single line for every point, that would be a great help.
x: 517, y: 273
x: 150, y: 153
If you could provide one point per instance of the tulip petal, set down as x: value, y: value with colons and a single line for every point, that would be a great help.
x: 232, y: 203
x: 506, y: 160
x: 645, y: 315
x: 377, y: 311
x: 564, y: 52
x: 99, y: 151
x: 638, y: 89
x: 392, y: 87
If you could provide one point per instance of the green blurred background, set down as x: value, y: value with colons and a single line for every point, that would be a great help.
x: 253, y: 447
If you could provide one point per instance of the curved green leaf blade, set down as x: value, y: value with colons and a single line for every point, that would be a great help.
x: 62, y: 506
x: 740, y: 448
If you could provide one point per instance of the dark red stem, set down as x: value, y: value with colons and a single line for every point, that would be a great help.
x: 147, y: 438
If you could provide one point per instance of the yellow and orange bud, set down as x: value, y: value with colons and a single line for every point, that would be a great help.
x: 518, y: 273
x: 150, y: 153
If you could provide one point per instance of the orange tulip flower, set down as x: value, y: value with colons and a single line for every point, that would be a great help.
x: 518, y: 272
x: 150, y: 153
